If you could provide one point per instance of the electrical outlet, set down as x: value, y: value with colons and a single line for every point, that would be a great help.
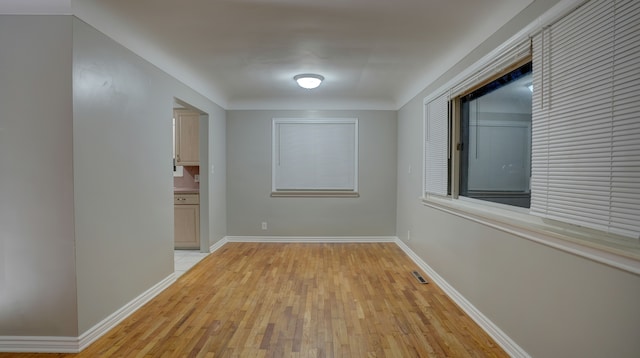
x: 264, y: 225
x: 196, y: 178
x: 408, y: 235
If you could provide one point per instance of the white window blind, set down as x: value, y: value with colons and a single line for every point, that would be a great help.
x: 436, y: 135
x: 586, y: 118
x: 315, y: 154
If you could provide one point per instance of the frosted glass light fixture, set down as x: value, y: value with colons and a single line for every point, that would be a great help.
x: 308, y: 80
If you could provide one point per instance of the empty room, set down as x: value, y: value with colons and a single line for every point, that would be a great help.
x: 280, y: 178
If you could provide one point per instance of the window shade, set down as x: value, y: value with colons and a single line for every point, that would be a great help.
x: 586, y: 118
x: 315, y: 154
x: 436, y: 123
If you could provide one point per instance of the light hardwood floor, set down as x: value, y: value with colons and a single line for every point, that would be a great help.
x: 297, y: 300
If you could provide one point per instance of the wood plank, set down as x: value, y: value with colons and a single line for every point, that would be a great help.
x: 297, y: 300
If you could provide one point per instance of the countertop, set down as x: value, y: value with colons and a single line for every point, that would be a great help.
x: 185, y: 190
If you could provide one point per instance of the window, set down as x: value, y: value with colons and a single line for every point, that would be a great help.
x: 495, y: 140
x: 574, y: 156
x: 445, y: 171
x: 315, y: 157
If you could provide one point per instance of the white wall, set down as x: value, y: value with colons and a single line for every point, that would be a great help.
x: 249, y: 180
x: 123, y: 180
x: 553, y: 304
x: 37, y: 264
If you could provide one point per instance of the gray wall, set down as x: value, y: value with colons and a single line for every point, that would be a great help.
x: 249, y: 180
x: 86, y: 216
x: 553, y: 304
x: 122, y: 178
x: 37, y: 264
x: 122, y: 189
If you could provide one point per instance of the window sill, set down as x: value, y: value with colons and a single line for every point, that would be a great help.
x: 314, y: 194
x: 613, y: 250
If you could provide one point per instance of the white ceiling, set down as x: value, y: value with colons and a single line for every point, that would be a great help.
x: 243, y: 54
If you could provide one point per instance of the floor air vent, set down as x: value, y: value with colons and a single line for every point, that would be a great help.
x: 419, y: 277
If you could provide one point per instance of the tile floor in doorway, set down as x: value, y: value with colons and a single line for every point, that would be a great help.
x: 186, y: 259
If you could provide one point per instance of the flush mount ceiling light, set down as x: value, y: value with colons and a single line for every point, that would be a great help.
x: 308, y: 80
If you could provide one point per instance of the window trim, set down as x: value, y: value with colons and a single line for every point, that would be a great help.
x: 314, y: 193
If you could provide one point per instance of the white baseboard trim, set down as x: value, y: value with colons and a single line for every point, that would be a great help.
x: 218, y: 244
x: 125, y: 311
x: 511, y: 347
x: 42, y: 344
x: 312, y: 239
x: 39, y: 344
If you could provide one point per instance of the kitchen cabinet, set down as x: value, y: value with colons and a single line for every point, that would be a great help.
x: 186, y: 215
x: 187, y: 140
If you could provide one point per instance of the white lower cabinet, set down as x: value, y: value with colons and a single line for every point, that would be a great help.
x: 186, y: 213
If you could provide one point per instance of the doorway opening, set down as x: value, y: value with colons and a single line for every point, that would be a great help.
x: 190, y: 164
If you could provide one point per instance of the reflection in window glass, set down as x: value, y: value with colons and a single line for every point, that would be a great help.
x: 496, y: 140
